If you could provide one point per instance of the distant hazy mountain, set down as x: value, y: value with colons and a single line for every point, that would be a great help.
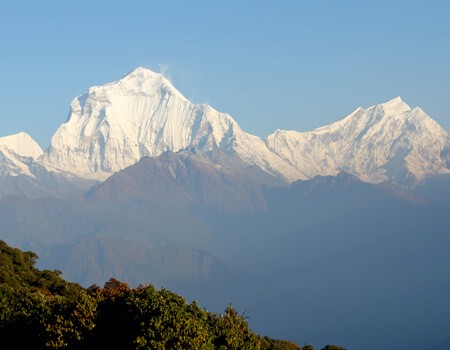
x: 436, y: 188
x: 187, y: 178
x: 361, y: 259
x: 330, y: 248
x: 359, y: 255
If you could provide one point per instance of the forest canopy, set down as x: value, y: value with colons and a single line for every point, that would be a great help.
x: 39, y: 309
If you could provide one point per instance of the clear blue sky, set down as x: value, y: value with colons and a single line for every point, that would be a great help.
x: 270, y: 64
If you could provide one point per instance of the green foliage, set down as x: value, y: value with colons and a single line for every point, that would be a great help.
x: 144, y: 318
x: 32, y: 319
x: 276, y: 344
x: 232, y: 332
x: 38, y: 310
x: 70, y: 321
x: 308, y: 347
x: 333, y: 347
x: 22, y: 317
x: 167, y: 322
x: 17, y: 270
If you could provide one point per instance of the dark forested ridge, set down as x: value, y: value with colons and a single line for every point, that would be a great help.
x: 39, y: 309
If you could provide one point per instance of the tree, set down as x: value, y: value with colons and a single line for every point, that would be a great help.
x: 232, y: 331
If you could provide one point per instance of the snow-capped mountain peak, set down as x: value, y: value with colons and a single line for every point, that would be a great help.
x: 145, y: 81
x: 16, y: 153
x: 112, y: 126
x: 394, y: 107
x: 22, y: 144
x: 385, y: 142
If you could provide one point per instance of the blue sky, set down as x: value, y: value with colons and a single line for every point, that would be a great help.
x: 270, y: 64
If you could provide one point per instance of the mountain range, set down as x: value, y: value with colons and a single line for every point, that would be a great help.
x: 112, y: 126
x: 334, y: 234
